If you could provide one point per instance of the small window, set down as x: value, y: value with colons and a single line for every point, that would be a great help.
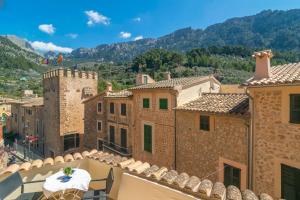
x: 146, y: 103
x: 99, y: 107
x: 295, y: 108
x: 163, y: 104
x: 123, y: 109
x: 147, y: 138
x: 204, y: 123
x: 112, y: 108
x: 99, y: 125
x: 145, y: 79
x: 232, y: 176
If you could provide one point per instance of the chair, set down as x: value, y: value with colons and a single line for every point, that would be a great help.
x: 101, y: 194
x: 12, y: 183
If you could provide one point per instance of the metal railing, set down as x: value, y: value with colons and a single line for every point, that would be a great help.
x: 123, y: 151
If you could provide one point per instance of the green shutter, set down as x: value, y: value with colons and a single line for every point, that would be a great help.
x: 148, y: 138
x: 163, y: 104
x: 295, y: 108
x: 146, y: 103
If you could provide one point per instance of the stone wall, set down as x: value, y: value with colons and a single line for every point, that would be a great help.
x: 163, y: 127
x: 203, y: 153
x: 276, y: 140
x: 91, y: 116
x: 64, y: 92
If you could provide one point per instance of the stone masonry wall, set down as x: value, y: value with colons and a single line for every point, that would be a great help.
x: 91, y: 116
x: 276, y: 141
x: 199, y: 152
x: 163, y: 127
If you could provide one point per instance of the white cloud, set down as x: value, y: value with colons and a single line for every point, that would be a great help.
x: 72, y: 35
x: 138, y: 38
x: 137, y: 19
x: 47, y: 28
x: 44, y: 47
x: 125, y: 35
x: 96, y: 18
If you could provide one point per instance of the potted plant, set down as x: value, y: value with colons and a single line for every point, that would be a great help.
x: 68, y: 171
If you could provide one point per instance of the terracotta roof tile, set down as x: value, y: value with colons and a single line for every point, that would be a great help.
x: 184, y: 82
x: 280, y: 75
x: 219, y: 103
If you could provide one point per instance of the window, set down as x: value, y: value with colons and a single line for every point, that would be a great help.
x: 145, y: 79
x: 123, y: 109
x: 71, y: 141
x: 99, y: 125
x: 163, y: 104
x: 112, y: 135
x: 295, y: 108
x: 232, y: 176
x: 290, y: 182
x: 146, y: 103
x: 204, y: 123
x: 112, y: 108
x: 147, y: 138
x: 99, y: 107
x: 123, y: 132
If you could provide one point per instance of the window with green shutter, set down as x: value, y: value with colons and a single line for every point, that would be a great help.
x: 163, y: 104
x: 204, y: 123
x: 148, y: 138
x: 146, y: 103
x: 295, y: 108
x: 232, y: 176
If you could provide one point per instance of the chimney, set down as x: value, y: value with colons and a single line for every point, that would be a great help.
x: 108, y: 87
x: 167, y: 75
x: 263, y: 64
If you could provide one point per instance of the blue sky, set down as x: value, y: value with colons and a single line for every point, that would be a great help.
x: 53, y: 24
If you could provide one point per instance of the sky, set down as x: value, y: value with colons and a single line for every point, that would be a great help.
x: 63, y: 25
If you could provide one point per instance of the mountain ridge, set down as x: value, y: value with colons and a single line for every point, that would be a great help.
x: 275, y: 29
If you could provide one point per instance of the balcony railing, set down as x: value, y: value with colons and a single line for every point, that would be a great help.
x: 110, y: 146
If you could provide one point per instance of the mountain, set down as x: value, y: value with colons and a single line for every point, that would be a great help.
x: 20, y: 42
x: 19, y: 69
x: 278, y: 30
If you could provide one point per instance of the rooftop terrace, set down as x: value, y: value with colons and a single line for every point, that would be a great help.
x: 133, y: 179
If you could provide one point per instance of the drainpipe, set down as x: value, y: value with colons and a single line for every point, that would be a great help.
x: 175, y: 134
x: 250, y: 143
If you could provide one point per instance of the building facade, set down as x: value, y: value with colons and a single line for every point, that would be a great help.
x: 154, y: 115
x: 274, y: 105
x: 64, y: 93
x: 212, y: 134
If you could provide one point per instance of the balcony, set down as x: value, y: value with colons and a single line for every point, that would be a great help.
x: 133, y: 180
x: 115, y: 148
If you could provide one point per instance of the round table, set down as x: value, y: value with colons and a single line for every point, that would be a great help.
x: 80, y: 181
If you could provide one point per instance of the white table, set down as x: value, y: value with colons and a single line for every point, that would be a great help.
x: 80, y: 181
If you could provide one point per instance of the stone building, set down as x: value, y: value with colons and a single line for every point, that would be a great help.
x: 275, y: 115
x: 108, y: 121
x: 27, y: 120
x: 212, y: 134
x: 64, y: 92
x: 154, y: 122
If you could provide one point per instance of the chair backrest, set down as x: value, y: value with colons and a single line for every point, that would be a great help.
x: 10, y: 184
x: 109, y: 181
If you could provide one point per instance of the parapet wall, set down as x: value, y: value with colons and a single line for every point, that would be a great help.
x: 70, y: 73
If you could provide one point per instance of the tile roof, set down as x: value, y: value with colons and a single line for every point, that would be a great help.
x: 192, y: 185
x: 230, y: 103
x: 122, y: 93
x: 28, y: 102
x: 280, y: 75
x: 184, y: 82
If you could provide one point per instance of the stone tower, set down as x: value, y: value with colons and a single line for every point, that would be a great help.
x: 64, y: 92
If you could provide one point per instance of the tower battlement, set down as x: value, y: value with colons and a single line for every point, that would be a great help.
x: 70, y: 73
